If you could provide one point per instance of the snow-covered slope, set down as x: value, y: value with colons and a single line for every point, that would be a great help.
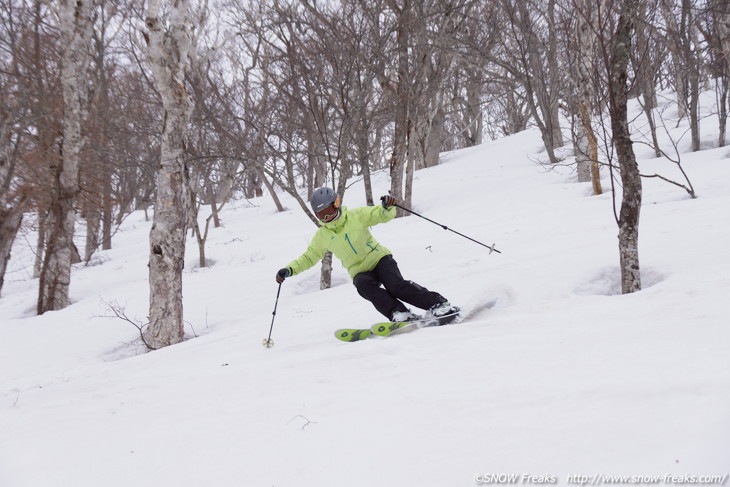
x: 554, y: 372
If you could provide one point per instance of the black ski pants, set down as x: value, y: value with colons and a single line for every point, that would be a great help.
x: 397, y: 289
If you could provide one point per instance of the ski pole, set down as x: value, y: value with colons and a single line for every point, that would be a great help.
x: 268, y: 342
x: 491, y: 249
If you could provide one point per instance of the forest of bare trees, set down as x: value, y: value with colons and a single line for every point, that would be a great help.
x: 176, y: 107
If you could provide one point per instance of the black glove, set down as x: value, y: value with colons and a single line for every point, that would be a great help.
x: 283, y: 274
x: 388, y: 201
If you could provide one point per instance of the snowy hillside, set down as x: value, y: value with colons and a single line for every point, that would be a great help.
x: 552, y: 374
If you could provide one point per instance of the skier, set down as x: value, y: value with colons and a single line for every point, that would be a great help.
x: 346, y: 234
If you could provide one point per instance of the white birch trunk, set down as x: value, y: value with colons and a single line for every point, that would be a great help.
x: 723, y: 27
x: 586, y: 142
x: 582, y: 85
x: 168, y: 58
x: 55, y: 278
x: 325, y: 278
x: 631, y: 180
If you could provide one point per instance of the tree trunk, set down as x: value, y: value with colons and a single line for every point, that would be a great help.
x: 539, y: 63
x: 55, y: 275
x: 325, y: 279
x: 270, y: 189
x: 315, y: 151
x: 675, y: 49
x: 475, y: 134
x: 11, y: 205
x: 93, y: 226
x: 435, y: 138
x: 723, y: 28
x: 724, y: 109
x: 400, y: 151
x: 694, y: 107
x: 201, y: 237
x: 411, y: 161
x: 590, y: 146
x: 10, y: 220
x: 400, y: 138
x: 168, y: 57
x: 582, y: 143
x: 652, y: 124
x: 554, y: 78
x: 202, y: 261
x: 631, y: 180
x: 107, y: 217
x: 363, y: 148
x: 586, y: 142
x: 646, y: 67
x: 215, y: 214
x: 40, y: 244
x: 691, y: 69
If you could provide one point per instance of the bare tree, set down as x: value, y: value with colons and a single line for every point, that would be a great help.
x: 434, y: 61
x: 12, y: 197
x: 31, y: 81
x: 618, y: 84
x: 682, y: 38
x: 584, y: 52
x: 521, y: 57
x: 646, y: 60
x: 13, y: 125
x: 55, y: 279
x: 531, y: 55
x: 400, y: 91
x: 721, y: 12
x: 715, y: 28
x: 416, y: 46
x: 466, y: 107
x: 168, y: 43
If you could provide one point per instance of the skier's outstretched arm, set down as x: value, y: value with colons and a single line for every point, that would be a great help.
x: 308, y: 259
x: 372, y: 215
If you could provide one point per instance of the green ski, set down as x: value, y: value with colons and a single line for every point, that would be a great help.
x: 352, y: 334
x: 386, y: 329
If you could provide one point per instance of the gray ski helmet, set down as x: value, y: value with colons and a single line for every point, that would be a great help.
x: 322, y: 198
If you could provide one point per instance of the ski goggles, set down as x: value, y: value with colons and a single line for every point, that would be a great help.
x: 329, y: 214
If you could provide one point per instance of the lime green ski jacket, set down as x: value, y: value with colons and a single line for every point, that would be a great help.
x: 349, y: 239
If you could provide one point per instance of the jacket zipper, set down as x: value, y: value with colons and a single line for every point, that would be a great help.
x: 347, y: 237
